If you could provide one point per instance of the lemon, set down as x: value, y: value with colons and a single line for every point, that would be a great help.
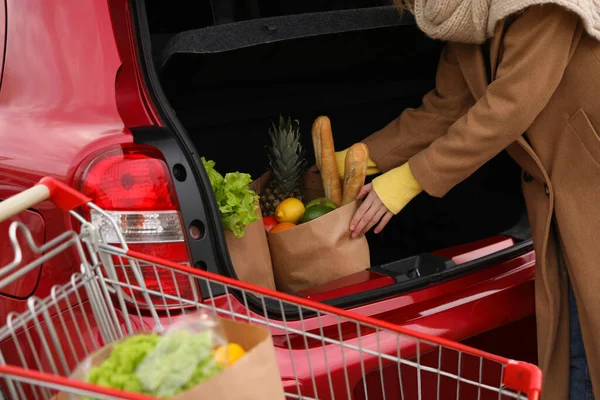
x: 290, y: 210
x: 228, y: 354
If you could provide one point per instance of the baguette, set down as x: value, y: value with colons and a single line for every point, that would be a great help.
x: 316, y: 139
x: 355, y: 171
x: 325, y: 158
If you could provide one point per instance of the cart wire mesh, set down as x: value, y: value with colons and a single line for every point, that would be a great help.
x: 323, y: 352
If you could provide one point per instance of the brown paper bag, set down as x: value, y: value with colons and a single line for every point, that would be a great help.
x: 250, y: 255
x: 319, y: 251
x: 255, y: 376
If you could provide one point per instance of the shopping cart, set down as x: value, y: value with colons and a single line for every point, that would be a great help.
x: 109, y: 299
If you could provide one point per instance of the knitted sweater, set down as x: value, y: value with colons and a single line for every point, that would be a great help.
x: 474, y: 21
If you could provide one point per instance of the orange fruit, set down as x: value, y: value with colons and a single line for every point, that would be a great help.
x: 228, y: 354
x: 284, y: 226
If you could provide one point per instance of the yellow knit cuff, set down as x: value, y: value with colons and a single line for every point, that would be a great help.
x: 396, y: 188
x: 340, y: 158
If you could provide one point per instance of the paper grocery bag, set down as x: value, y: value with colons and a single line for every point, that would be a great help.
x: 317, y: 252
x: 255, y: 376
x: 250, y: 255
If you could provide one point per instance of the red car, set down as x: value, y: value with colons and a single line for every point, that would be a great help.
x: 121, y: 98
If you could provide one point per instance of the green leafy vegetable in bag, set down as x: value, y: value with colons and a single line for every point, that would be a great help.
x: 179, y: 361
x: 160, y: 366
x: 118, y: 370
x: 237, y: 202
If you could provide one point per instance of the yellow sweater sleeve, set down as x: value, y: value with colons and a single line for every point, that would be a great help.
x: 397, y: 187
x: 340, y: 157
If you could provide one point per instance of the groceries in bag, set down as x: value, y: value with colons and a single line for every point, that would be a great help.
x: 198, y: 356
x: 325, y: 159
x: 243, y: 224
x: 318, y: 248
x: 292, y: 210
x: 355, y: 171
x: 287, y: 165
x: 269, y: 223
x: 235, y: 199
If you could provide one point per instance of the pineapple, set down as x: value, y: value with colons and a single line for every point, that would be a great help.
x: 287, y: 164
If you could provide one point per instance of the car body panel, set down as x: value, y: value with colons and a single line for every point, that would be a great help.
x: 367, y: 280
x: 57, y: 106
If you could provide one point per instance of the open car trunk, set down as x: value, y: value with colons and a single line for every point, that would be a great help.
x: 362, y: 67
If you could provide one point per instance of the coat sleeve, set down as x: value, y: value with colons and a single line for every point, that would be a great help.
x: 417, y: 128
x: 537, y: 49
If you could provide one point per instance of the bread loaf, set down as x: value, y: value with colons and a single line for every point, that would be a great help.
x: 325, y: 159
x: 355, y: 171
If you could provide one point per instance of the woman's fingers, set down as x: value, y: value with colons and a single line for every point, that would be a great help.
x: 358, y: 215
x: 364, y: 191
x: 371, y: 212
x: 373, y: 220
x: 367, y: 216
x: 386, y: 218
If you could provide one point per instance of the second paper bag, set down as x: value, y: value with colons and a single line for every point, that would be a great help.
x: 250, y: 255
x: 317, y: 252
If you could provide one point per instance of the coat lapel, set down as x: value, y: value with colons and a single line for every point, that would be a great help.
x: 495, y: 42
x: 470, y: 59
x: 472, y: 64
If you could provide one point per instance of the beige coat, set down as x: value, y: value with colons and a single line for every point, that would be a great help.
x: 546, y: 84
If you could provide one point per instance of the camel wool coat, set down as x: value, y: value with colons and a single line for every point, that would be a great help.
x: 540, y: 100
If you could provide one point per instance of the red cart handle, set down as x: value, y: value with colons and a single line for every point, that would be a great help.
x: 523, y: 377
x: 62, y: 195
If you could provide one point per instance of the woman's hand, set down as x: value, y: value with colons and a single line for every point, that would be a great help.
x: 370, y: 212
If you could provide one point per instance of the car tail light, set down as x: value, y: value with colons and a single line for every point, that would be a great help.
x: 133, y: 185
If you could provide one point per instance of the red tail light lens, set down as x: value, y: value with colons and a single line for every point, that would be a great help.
x: 129, y: 179
x: 133, y: 185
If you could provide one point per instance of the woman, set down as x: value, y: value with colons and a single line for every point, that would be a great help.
x: 523, y: 76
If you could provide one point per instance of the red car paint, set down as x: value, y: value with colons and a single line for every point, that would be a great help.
x: 71, y: 87
x: 25, y: 286
x: 363, y: 281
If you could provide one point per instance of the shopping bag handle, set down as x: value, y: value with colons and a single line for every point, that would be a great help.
x: 62, y: 195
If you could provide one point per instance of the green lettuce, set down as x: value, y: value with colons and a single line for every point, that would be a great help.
x: 118, y: 371
x: 181, y: 360
x: 237, y: 202
x: 160, y: 366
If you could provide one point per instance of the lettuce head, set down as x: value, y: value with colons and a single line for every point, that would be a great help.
x: 237, y: 202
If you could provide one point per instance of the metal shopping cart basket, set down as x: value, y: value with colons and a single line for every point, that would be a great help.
x: 41, y: 344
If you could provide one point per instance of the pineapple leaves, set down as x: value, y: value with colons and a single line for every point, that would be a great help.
x: 286, y: 156
x: 237, y: 202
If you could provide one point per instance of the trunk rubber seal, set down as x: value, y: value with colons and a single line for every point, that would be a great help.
x: 218, y: 261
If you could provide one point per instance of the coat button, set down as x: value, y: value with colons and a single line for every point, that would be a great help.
x: 527, y: 177
x: 547, y: 190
